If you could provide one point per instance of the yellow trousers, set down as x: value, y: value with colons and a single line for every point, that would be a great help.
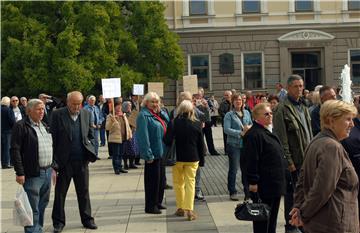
x: 184, y: 184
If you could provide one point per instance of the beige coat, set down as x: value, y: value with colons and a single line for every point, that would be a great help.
x: 113, y: 126
x: 326, y: 192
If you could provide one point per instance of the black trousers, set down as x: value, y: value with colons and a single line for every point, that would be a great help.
x: 79, y: 172
x: 209, y: 138
x: 291, y: 179
x: 243, y: 166
x: 268, y: 226
x: 154, y: 182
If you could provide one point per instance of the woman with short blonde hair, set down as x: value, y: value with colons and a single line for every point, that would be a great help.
x: 150, y: 96
x: 189, y: 144
x: 326, y: 193
x: 151, y: 126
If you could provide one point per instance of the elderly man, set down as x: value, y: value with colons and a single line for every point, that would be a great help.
x: 73, y: 145
x: 18, y: 112
x: 96, y: 120
x: 7, y: 122
x: 225, y: 106
x: 50, y: 103
x: 32, y: 156
x: 292, y: 124
x: 326, y: 93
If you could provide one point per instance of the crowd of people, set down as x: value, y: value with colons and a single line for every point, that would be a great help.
x: 294, y: 143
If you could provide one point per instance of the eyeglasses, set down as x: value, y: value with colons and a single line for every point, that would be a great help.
x: 267, y: 114
x: 15, y: 101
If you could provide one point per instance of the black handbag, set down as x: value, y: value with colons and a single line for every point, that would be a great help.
x: 256, y: 211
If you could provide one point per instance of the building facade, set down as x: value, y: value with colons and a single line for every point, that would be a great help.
x: 252, y: 45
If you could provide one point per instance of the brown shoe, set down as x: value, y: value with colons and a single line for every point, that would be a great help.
x: 180, y: 212
x: 191, y: 215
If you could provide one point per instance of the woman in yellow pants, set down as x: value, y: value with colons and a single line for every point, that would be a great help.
x: 186, y: 130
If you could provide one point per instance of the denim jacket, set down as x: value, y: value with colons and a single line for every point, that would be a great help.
x: 149, y: 134
x: 233, y: 127
x: 96, y: 116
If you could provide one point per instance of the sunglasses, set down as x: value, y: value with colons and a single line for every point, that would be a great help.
x: 15, y: 101
x: 267, y: 114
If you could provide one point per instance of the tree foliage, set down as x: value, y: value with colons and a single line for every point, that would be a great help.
x: 58, y: 46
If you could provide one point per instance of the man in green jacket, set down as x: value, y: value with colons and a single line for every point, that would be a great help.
x: 292, y: 123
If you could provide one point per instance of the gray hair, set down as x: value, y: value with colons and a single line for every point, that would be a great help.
x: 150, y: 96
x: 292, y: 78
x: 5, y: 101
x: 125, y: 105
x: 33, y: 103
x: 73, y: 93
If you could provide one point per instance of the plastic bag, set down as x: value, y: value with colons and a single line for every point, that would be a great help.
x: 22, y: 213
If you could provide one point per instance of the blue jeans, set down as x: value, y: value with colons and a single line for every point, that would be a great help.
x: 38, y: 192
x: 117, y: 154
x: 102, y: 137
x: 5, y: 148
x: 198, y: 180
x: 96, y: 136
x: 234, y: 163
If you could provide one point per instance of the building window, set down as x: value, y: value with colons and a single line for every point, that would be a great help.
x: 200, y: 67
x: 355, y: 66
x: 253, y: 70
x: 353, y: 5
x: 303, y: 5
x: 250, y: 6
x: 198, y: 7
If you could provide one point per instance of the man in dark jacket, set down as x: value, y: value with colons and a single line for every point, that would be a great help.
x: 71, y: 126
x: 326, y: 93
x: 50, y: 103
x: 32, y: 155
x: 293, y: 126
x: 7, y: 122
x: 225, y: 106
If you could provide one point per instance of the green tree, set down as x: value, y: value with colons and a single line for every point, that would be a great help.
x: 60, y: 46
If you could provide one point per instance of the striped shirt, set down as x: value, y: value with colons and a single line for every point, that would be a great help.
x: 45, y: 144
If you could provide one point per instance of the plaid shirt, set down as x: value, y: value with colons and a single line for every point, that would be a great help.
x: 44, y: 144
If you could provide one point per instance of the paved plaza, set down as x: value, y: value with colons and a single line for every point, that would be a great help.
x: 118, y: 201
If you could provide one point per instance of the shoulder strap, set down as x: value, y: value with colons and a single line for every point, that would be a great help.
x: 241, y: 124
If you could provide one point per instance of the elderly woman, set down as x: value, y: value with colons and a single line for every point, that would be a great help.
x: 119, y: 131
x: 236, y: 123
x: 130, y: 146
x: 265, y: 165
x: 352, y: 146
x: 151, y: 127
x: 186, y: 130
x: 326, y: 193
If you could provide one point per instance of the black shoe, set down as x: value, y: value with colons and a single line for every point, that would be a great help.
x: 132, y: 166
x: 7, y: 167
x: 117, y: 172
x: 110, y: 157
x: 161, y: 207
x: 168, y: 186
x: 90, y: 225
x: 123, y: 170
x: 58, y: 228
x: 154, y: 211
x: 98, y: 158
x: 214, y: 153
x: 137, y: 163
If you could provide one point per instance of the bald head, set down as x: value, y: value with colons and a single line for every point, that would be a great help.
x: 227, y: 95
x: 74, y: 101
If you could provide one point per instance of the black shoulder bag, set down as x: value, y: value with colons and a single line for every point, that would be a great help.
x: 256, y: 211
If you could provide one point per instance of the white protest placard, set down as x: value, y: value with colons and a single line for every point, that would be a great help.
x: 157, y: 87
x: 111, y: 87
x: 190, y: 84
x: 138, y: 89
